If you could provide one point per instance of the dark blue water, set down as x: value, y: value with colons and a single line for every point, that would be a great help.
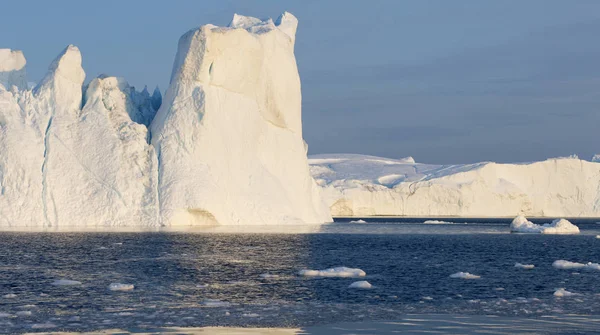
x: 215, y: 279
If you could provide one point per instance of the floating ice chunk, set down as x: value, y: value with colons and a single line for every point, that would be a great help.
x: 561, y: 292
x: 120, y: 287
x: 559, y: 226
x: 341, y: 271
x: 250, y: 315
x: 358, y: 221
x: 9, y: 296
x: 436, y: 222
x: 24, y: 313
x: 362, y: 284
x: 215, y: 303
x: 4, y: 315
x: 524, y: 266
x: 65, y: 282
x: 566, y: 265
x: 597, y: 236
x: 268, y: 276
x: 464, y: 275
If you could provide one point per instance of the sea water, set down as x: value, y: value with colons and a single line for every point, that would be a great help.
x: 64, y: 281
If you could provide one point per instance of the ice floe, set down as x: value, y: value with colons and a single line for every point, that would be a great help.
x: 567, y: 265
x: 464, y: 275
x: 362, y: 284
x: 65, y: 282
x: 120, y: 287
x: 559, y: 226
x: 358, y: 221
x: 341, y: 271
x: 524, y: 266
x: 561, y: 292
x: 9, y: 296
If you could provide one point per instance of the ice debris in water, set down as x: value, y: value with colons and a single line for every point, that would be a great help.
x: 566, y: 265
x: 464, y: 275
x: 215, y: 303
x: 65, y: 282
x: 524, y: 266
x: 561, y: 292
x: 362, y: 284
x: 120, y: 287
x: 559, y: 226
x: 341, y: 271
x: 358, y: 221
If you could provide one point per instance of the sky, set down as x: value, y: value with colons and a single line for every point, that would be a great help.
x: 443, y: 81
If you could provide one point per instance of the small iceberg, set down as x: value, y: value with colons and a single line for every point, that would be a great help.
x: 566, y: 265
x: 559, y: 226
x: 362, y: 284
x: 561, y: 292
x: 120, y: 287
x: 341, y: 271
x: 9, y: 296
x: 524, y: 266
x: 436, y: 222
x: 65, y: 282
x: 464, y: 275
x: 358, y: 221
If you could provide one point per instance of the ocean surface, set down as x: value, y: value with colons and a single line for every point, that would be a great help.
x: 252, y: 279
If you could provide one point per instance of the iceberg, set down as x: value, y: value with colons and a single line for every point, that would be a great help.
x: 223, y: 146
x: 362, y: 186
x: 559, y: 226
x: 228, y: 135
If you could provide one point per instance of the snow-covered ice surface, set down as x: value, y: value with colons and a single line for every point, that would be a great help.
x: 225, y: 148
x: 361, y: 186
x: 194, y: 280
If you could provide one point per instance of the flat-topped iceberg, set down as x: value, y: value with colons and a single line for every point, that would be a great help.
x: 361, y: 186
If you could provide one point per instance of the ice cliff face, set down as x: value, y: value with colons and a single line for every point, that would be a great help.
x: 356, y: 185
x: 225, y: 148
x: 67, y: 161
x: 229, y: 134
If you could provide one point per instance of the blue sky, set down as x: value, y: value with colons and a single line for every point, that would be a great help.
x: 444, y: 81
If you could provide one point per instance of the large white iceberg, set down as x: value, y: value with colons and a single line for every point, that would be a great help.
x: 229, y: 135
x: 358, y: 185
x: 225, y: 147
